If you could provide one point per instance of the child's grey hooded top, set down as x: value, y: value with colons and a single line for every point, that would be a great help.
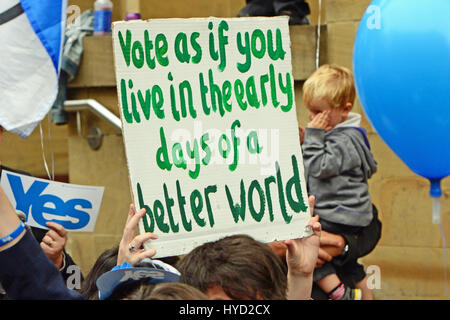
x: 338, y: 163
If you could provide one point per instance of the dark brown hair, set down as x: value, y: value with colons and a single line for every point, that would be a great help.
x: 105, y: 262
x: 176, y: 291
x: 243, y: 267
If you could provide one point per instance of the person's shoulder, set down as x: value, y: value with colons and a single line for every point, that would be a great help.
x: 356, y: 134
x: 338, y: 134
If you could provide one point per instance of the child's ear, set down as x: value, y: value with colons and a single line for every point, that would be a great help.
x: 348, y: 107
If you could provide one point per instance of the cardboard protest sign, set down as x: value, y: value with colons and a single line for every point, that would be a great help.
x: 75, y: 207
x: 210, y: 129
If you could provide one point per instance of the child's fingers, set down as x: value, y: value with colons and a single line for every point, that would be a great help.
x: 313, y: 221
x: 318, y: 118
x: 323, y: 119
x: 316, y: 226
x: 311, y: 202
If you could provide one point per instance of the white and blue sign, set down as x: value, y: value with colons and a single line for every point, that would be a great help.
x: 75, y: 207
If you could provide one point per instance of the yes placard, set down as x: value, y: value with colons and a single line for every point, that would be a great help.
x: 75, y: 207
x: 210, y: 129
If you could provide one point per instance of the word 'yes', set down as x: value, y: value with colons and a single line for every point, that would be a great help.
x: 38, y: 202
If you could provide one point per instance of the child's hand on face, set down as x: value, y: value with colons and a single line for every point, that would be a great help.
x: 320, y: 120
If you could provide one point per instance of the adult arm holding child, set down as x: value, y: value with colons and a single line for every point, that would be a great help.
x: 358, y: 245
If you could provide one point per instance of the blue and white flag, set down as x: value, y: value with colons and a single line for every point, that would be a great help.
x: 31, y: 37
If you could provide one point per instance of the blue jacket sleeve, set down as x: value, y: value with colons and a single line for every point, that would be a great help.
x: 27, y: 273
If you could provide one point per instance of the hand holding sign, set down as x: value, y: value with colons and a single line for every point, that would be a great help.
x: 130, y: 246
x: 301, y: 253
x: 54, y: 242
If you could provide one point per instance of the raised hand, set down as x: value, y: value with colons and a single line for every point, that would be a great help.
x: 53, y: 243
x: 130, y: 246
x: 320, y: 120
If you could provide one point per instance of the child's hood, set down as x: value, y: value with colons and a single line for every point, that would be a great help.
x: 353, y: 120
x: 351, y: 128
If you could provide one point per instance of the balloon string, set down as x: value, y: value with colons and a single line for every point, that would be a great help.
x: 43, y: 153
x: 436, y: 208
x: 437, y: 219
x: 318, y: 35
x: 51, y: 147
x: 444, y: 250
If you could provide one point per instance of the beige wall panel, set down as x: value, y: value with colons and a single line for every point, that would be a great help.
x: 97, y: 63
x: 341, y: 37
x: 26, y: 154
x: 405, y: 210
x: 104, y: 167
x: 345, y: 10
x: 184, y: 9
x: 408, y: 272
x: 303, y: 50
x: 302, y: 112
x: 314, y: 15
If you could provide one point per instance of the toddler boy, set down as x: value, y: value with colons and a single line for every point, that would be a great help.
x: 338, y: 162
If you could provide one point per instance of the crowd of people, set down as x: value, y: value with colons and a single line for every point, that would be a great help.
x: 338, y: 162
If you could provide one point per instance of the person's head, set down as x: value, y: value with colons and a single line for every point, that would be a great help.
x: 331, y: 88
x: 127, y: 282
x: 143, y: 290
x: 176, y: 291
x: 235, y: 267
x: 105, y: 262
x: 134, y: 290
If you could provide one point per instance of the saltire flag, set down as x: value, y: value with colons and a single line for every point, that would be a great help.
x: 31, y: 40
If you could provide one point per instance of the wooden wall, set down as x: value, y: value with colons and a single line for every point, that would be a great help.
x: 27, y: 154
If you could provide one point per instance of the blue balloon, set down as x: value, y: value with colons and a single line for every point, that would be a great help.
x: 401, y: 63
